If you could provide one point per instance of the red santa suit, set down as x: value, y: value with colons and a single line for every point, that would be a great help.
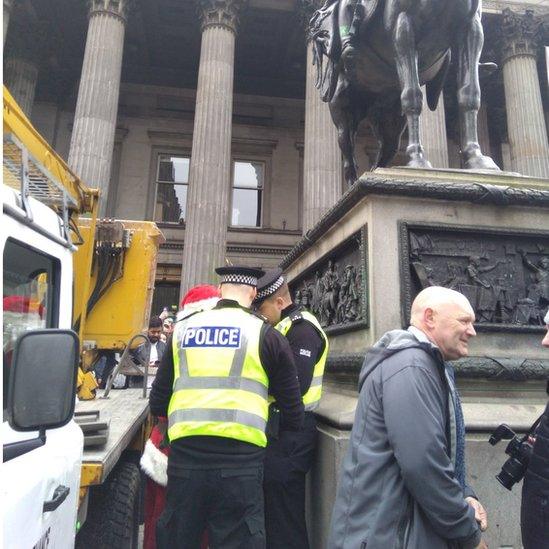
x: 154, y: 461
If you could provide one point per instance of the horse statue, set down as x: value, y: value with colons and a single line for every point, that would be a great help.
x: 373, y: 56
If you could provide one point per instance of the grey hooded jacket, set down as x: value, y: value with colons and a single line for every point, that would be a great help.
x: 397, y: 487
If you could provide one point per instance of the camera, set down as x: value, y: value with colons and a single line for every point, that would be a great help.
x: 520, y: 450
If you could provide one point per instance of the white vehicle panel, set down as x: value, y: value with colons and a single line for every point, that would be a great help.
x: 30, y: 480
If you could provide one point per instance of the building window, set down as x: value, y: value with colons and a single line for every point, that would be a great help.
x: 172, y: 183
x: 248, y: 182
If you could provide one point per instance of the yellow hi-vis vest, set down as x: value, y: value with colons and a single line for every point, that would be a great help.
x: 220, y: 387
x: 311, y: 399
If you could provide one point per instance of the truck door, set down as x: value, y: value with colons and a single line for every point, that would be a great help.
x: 39, y: 487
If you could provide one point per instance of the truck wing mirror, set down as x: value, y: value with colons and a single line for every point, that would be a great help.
x: 43, y: 380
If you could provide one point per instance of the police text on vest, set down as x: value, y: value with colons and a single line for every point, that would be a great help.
x: 211, y: 336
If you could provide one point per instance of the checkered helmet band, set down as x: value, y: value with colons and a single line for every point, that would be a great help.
x: 239, y: 279
x: 270, y: 290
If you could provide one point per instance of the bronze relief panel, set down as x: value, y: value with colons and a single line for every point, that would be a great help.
x: 504, y: 273
x: 334, y: 288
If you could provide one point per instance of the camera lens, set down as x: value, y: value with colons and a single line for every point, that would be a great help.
x: 511, y: 473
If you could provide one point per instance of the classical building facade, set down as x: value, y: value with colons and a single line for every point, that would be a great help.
x: 202, y: 115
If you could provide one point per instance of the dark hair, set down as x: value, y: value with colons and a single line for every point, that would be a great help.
x: 155, y: 322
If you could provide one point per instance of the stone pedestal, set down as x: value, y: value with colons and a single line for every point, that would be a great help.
x: 20, y: 77
x: 207, y: 215
x: 92, y: 139
x: 395, y: 232
x: 525, y: 117
x: 432, y: 130
x: 471, y: 208
x: 322, y: 165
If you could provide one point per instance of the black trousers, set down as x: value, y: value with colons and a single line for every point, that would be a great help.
x: 287, y: 461
x: 226, y: 502
x: 534, y: 511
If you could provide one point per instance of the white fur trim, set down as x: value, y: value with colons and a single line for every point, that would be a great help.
x: 155, y: 464
x: 202, y: 305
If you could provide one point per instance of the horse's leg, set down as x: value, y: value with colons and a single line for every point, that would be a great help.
x: 411, y: 96
x: 388, y: 126
x: 344, y: 120
x: 470, y: 49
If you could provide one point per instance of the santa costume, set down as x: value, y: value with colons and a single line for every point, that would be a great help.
x: 154, y: 461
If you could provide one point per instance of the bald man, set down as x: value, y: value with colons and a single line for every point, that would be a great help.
x: 403, y: 478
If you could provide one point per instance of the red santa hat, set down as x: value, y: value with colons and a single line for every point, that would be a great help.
x: 199, y: 298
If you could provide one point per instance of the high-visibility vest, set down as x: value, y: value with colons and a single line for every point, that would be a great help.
x: 311, y: 399
x: 220, y: 386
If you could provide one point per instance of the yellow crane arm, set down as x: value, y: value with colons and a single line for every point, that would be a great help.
x: 19, y: 126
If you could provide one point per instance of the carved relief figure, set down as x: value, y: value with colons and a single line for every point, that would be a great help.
x: 481, y: 292
x: 316, y: 299
x: 538, y: 291
x: 352, y: 299
x: 330, y: 282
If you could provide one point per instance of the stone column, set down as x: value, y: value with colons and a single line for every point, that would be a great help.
x: 92, y: 139
x: 21, y: 76
x: 23, y: 53
x: 432, y: 131
x: 322, y: 164
x: 8, y: 6
x: 207, y: 213
x: 525, y: 117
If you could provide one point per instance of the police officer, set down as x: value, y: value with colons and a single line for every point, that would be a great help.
x: 290, y: 456
x: 213, y: 384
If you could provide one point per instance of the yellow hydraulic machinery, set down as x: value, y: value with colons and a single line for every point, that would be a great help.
x: 122, y: 280
x: 114, y: 261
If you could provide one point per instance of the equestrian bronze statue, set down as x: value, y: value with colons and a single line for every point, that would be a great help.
x: 373, y: 56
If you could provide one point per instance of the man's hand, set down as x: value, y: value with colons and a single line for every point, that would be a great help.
x: 482, y: 545
x: 480, y: 515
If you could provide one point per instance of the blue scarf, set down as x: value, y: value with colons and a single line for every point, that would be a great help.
x: 459, y: 465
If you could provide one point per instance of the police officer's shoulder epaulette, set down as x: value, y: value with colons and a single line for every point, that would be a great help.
x: 296, y: 316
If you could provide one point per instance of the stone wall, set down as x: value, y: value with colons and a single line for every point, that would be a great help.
x: 154, y: 120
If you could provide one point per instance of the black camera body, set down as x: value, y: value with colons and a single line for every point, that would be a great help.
x: 519, y: 450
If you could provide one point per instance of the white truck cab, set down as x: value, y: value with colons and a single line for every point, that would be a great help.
x: 42, y: 445
x: 62, y: 488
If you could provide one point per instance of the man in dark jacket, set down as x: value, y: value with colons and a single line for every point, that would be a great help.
x: 535, y: 490
x: 403, y: 479
x: 153, y: 355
